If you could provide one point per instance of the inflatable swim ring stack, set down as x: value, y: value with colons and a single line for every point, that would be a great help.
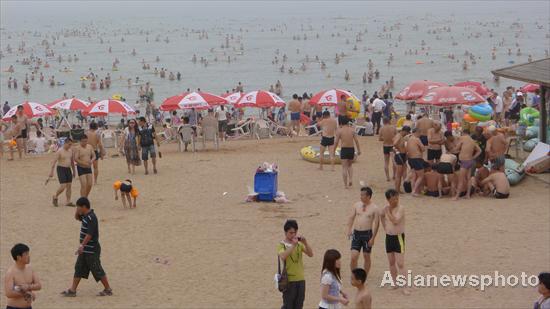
x: 311, y: 154
x: 528, y: 115
x: 479, y: 112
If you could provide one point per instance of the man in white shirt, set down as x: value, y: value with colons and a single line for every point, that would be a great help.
x: 39, y: 143
x: 378, y: 106
x: 221, y: 115
x: 499, y: 106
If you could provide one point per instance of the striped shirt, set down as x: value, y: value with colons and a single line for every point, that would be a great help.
x: 89, y: 226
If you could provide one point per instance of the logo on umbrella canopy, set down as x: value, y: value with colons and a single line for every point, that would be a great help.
x: 468, y: 96
x: 328, y: 97
x: 429, y: 97
x: 249, y: 97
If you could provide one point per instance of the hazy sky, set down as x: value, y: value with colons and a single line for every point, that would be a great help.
x: 16, y: 13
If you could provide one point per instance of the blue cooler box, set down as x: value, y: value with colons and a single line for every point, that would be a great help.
x: 265, y: 184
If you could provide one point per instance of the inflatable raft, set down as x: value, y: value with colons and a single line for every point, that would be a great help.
x: 311, y: 154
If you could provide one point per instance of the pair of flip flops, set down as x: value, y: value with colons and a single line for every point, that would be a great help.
x: 55, y: 202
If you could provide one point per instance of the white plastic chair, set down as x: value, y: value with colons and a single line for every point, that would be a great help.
x: 239, y: 130
x: 210, y: 133
x: 315, y: 129
x: 108, y: 139
x: 262, y: 129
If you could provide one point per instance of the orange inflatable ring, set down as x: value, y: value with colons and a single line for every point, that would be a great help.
x: 469, y: 118
x: 134, y: 193
x: 117, y: 185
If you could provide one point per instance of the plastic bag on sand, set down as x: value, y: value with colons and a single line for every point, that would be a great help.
x: 252, y: 196
x: 281, y: 197
x: 268, y: 168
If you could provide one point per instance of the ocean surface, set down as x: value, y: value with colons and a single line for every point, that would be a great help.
x: 256, y: 31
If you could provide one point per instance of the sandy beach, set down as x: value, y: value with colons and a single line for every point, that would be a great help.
x: 189, y: 245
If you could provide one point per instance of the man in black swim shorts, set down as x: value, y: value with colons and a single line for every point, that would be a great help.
x: 348, y: 139
x: 328, y: 130
x: 65, y: 170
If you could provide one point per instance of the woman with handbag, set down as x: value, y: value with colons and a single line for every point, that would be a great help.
x: 131, y: 146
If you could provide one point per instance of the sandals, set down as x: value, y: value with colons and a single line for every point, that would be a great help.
x: 55, y: 202
x: 68, y: 293
x: 106, y: 292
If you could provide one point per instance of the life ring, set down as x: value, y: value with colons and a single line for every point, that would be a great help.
x: 311, y: 154
x: 83, y: 78
x: 420, y: 62
x: 116, y: 97
x: 354, y: 108
x: 528, y: 115
x: 469, y: 118
x: 479, y: 117
x: 482, y: 109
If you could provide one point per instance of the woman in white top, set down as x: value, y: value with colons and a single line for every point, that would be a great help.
x: 221, y: 114
x: 331, y: 282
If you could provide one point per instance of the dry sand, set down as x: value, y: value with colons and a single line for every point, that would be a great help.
x: 221, y: 251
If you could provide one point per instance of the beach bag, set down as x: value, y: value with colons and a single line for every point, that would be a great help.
x: 407, y: 186
x: 282, y: 276
x: 76, y: 134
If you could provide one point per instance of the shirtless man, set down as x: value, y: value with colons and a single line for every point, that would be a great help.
x: 435, y: 140
x: 342, y: 110
x: 84, y: 157
x: 468, y: 150
x: 363, y: 298
x: 496, y: 146
x: 423, y: 124
x: 346, y: 135
x: 328, y: 126
x: 447, y: 166
x: 392, y: 217
x: 415, y: 149
x: 20, y: 280
x: 386, y: 135
x: 480, y: 174
x: 400, y: 157
x: 434, y: 182
x: 65, y: 171
x: 295, y: 108
x: 496, y: 184
x: 94, y: 140
x: 362, y: 228
x: 22, y: 128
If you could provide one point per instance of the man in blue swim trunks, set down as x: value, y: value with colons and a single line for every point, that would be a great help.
x: 295, y: 108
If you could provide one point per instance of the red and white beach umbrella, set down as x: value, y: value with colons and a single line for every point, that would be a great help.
x: 106, y: 107
x: 450, y: 95
x: 69, y: 104
x: 417, y: 89
x: 188, y: 100
x: 529, y: 88
x: 329, y: 97
x: 260, y: 99
x: 30, y: 109
x: 475, y: 86
x: 232, y: 98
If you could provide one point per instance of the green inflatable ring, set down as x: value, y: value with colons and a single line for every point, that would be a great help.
x: 479, y: 116
x: 528, y: 115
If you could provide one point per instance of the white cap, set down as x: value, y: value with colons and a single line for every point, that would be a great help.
x: 519, y: 93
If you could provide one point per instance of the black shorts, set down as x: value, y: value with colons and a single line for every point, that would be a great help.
x: 96, y: 154
x: 360, y: 239
x: 342, y: 118
x: 64, y: 174
x: 395, y: 243
x: 10, y: 307
x: 416, y: 164
x: 23, y: 134
x: 432, y: 193
x: 434, y: 154
x: 83, y: 170
x: 387, y: 149
x: 424, y: 140
x: 499, y: 195
x: 400, y: 158
x: 327, y: 141
x: 347, y: 153
x: 319, y: 115
x: 222, y: 125
x: 86, y: 263
x: 125, y: 188
x: 445, y: 168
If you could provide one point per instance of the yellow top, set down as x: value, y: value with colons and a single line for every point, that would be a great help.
x: 294, y: 265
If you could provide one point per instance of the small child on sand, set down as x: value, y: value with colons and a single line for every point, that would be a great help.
x: 127, y: 190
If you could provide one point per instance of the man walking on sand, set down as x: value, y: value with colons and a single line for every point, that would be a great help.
x: 65, y: 171
x: 290, y: 251
x: 400, y: 157
x: 20, y: 281
x: 328, y: 126
x: 89, y: 251
x: 84, y: 157
x: 94, y: 140
x: 362, y: 228
x: 346, y: 135
x: 392, y: 217
x: 146, y: 139
x: 387, y: 133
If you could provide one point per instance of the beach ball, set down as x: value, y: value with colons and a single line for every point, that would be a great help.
x: 117, y: 185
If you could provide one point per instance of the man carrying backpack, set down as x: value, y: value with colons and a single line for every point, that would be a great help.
x: 146, y: 140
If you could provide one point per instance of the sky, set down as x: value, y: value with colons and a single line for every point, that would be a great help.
x: 19, y: 12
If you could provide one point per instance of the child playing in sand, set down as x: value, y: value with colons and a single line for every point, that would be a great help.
x: 127, y: 190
